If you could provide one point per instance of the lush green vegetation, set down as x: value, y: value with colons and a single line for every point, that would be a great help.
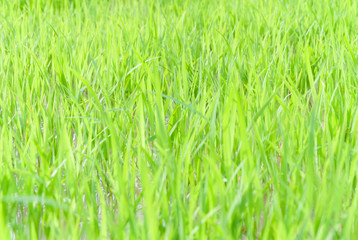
x: 178, y: 119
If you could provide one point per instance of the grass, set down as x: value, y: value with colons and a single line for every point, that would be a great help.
x: 178, y: 119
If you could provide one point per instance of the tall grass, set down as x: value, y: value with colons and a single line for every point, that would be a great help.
x: 178, y: 119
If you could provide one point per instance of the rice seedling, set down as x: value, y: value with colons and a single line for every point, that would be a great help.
x: 178, y: 119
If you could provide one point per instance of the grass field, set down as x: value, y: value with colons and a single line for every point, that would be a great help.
x: 163, y: 119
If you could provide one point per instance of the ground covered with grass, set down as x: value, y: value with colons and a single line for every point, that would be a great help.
x: 178, y: 119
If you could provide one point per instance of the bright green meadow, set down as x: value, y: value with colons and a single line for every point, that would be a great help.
x: 190, y: 119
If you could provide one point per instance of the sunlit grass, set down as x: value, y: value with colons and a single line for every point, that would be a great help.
x: 178, y: 119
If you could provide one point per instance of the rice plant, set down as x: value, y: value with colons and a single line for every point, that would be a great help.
x: 191, y: 119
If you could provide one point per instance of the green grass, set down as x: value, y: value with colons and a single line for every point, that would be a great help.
x: 182, y: 119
